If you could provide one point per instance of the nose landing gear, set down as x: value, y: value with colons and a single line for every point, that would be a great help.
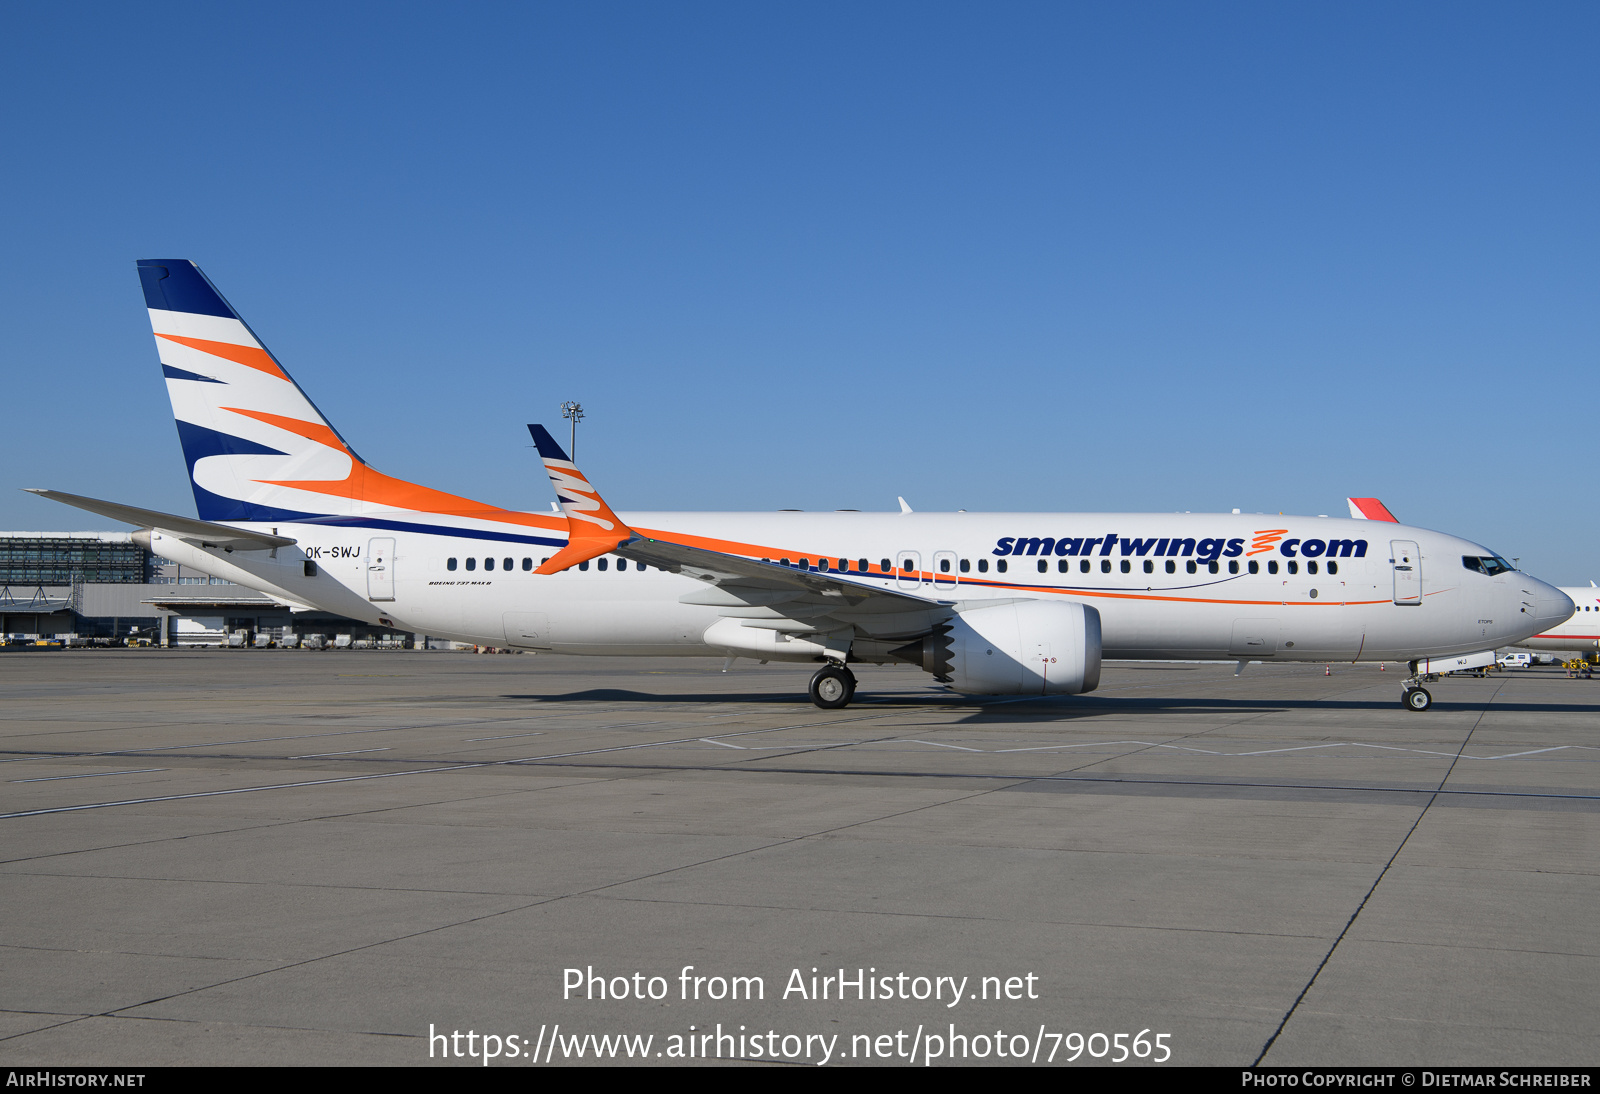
x: 833, y: 687
x: 1415, y: 697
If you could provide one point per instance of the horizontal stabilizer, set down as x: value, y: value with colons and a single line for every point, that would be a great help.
x: 207, y: 533
x: 1370, y: 509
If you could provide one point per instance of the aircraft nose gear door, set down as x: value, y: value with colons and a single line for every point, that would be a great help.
x: 380, y: 569
x: 1407, y: 563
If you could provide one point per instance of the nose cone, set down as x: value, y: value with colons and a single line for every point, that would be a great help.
x: 1552, y: 607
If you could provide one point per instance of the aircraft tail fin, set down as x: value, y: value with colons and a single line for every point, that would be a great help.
x: 592, y: 528
x: 258, y: 449
x: 1370, y: 509
x: 250, y: 436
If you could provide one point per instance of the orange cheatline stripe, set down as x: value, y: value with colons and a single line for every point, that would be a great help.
x: 250, y: 356
x: 311, y: 431
x: 365, y: 484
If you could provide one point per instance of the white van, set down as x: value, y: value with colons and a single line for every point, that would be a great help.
x: 1516, y: 659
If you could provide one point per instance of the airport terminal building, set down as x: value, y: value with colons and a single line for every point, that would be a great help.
x: 102, y: 588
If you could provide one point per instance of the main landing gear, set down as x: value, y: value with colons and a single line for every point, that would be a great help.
x: 833, y: 687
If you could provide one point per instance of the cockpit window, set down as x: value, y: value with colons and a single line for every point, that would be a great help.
x: 1490, y: 565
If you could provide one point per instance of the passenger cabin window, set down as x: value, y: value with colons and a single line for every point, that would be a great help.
x: 1190, y: 566
x: 1105, y: 566
x: 1311, y: 567
x: 488, y: 564
x: 1000, y: 565
x: 1127, y: 567
x: 507, y: 564
x: 1294, y: 567
x: 1233, y: 567
x: 600, y: 564
x: 472, y: 564
x: 861, y: 564
x: 1255, y: 567
x: 1272, y: 567
x: 1044, y: 567
x: 1213, y: 567
x: 884, y: 566
x: 983, y: 565
x: 527, y: 564
x: 1333, y: 567
x: 1083, y: 567
x: 1172, y: 566
x: 449, y: 564
x: 1149, y: 567
x: 1064, y: 566
x: 583, y: 565
x: 944, y: 565
x: 966, y: 565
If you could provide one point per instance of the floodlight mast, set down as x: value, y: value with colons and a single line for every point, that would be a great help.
x: 573, y: 412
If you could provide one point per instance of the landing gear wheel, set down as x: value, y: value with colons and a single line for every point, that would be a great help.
x: 1416, y: 699
x: 833, y: 687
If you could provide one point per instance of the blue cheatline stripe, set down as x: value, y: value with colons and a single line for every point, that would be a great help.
x: 209, y: 506
x: 427, y: 529
x: 178, y: 374
x: 176, y: 284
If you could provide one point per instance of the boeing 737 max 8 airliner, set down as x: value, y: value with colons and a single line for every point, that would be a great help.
x: 990, y: 604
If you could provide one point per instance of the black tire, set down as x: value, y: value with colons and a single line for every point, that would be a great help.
x: 1416, y: 699
x: 832, y: 688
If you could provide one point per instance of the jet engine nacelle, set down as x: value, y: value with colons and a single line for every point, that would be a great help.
x: 1030, y: 647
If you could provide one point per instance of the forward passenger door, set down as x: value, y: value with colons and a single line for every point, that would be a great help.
x: 1407, y: 563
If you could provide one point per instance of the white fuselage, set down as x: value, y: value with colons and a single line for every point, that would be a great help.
x: 1185, y: 586
x: 1580, y: 633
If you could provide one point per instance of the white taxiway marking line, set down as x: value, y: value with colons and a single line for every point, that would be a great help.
x: 352, y: 752
x: 91, y: 775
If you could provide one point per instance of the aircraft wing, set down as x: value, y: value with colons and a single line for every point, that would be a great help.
x: 787, y: 598
x: 201, y: 532
x: 763, y: 595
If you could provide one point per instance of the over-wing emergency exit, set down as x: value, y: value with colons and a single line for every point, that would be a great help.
x: 987, y: 603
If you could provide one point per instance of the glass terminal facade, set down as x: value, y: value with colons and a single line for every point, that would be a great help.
x: 43, y: 560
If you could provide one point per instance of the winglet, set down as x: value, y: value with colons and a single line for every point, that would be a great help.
x: 1370, y: 509
x: 592, y: 528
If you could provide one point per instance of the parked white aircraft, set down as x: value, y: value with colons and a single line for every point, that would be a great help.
x: 1013, y: 603
x: 1579, y: 634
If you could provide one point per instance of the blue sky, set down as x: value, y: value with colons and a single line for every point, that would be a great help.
x: 1052, y: 257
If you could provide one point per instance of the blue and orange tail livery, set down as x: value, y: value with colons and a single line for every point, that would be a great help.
x: 258, y: 450
x: 592, y: 528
